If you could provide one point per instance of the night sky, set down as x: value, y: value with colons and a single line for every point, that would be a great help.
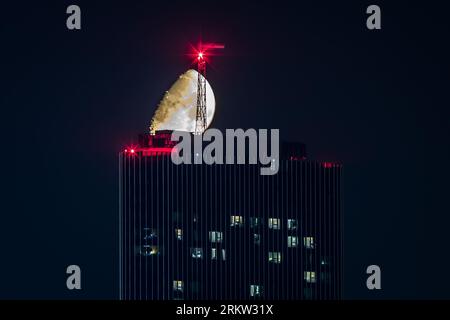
x: 375, y: 101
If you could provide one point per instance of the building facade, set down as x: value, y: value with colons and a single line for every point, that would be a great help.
x: 217, y: 232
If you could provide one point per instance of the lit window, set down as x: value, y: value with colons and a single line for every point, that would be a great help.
x: 178, y: 285
x: 148, y: 250
x: 256, y: 290
x: 310, y: 276
x: 256, y: 238
x: 150, y: 233
x: 325, y: 261
x: 308, y: 242
x: 214, y: 253
x: 237, y: 221
x: 215, y: 236
x: 179, y: 234
x: 292, y: 224
x: 223, y: 255
x: 197, y: 253
x: 292, y: 242
x: 275, y: 257
x: 255, y: 222
x: 274, y: 223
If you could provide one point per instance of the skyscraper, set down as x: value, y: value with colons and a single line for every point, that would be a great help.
x: 226, y: 232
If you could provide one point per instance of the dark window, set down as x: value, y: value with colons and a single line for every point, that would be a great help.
x: 256, y: 238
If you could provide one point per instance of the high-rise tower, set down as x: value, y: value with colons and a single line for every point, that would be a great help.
x: 223, y: 231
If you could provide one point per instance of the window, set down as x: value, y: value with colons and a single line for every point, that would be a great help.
x: 256, y: 238
x: 176, y: 216
x: 274, y: 223
x: 178, y: 285
x: 255, y: 222
x: 275, y: 257
x: 307, y: 293
x: 179, y: 234
x: 292, y: 242
x: 308, y: 242
x: 150, y: 233
x: 292, y: 224
x: 194, y: 285
x: 256, y: 290
x: 310, y: 276
x: 223, y: 255
x: 214, y: 254
x: 237, y: 221
x: 197, y: 253
x: 215, y: 236
x: 148, y: 250
x: 325, y: 277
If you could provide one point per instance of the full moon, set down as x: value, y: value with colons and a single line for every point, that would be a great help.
x: 177, y: 110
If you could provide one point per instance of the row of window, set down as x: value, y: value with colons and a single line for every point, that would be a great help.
x: 220, y: 254
x: 273, y: 223
x: 308, y: 242
x: 214, y: 236
x: 217, y: 237
x: 238, y: 221
x: 256, y: 290
x: 216, y: 254
x: 292, y: 242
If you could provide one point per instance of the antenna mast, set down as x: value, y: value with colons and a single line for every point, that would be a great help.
x: 201, y: 119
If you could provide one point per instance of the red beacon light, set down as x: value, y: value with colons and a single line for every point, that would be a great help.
x: 130, y: 151
x: 329, y: 165
x: 200, y: 55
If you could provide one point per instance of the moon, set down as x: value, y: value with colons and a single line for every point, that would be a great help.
x: 178, y: 108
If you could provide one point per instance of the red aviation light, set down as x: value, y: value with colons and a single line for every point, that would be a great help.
x: 329, y: 165
x: 130, y: 151
x: 203, y: 51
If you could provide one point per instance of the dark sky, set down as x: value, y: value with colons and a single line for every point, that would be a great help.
x: 376, y: 101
